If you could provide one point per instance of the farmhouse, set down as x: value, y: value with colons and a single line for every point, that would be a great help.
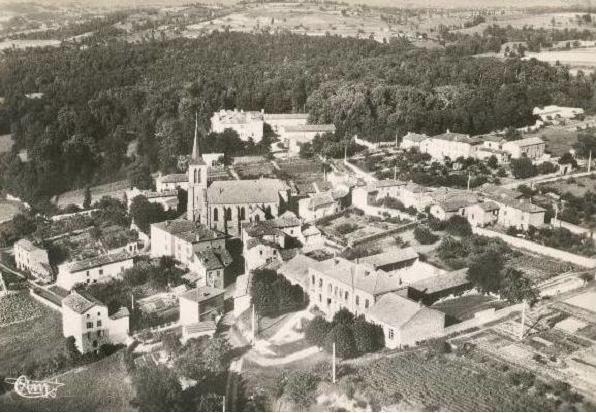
x: 405, y: 322
x: 532, y: 148
x: 516, y: 212
x: 201, y: 304
x: 555, y: 113
x: 298, y: 135
x: 321, y: 204
x: 33, y: 259
x: 248, y: 125
x: 412, y: 140
x: 363, y: 196
x: 102, y: 268
x: 87, y: 320
x: 391, y: 260
x: 450, y: 145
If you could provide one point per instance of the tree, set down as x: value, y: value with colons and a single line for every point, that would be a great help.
x: 458, y: 225
x: 523, y: 168
x: 23, y: 225
x: 316, y: 330
x: 139, y: 176
x: 341, y: 335
x: 145, y: 213
x: 343, y: 317
x: 517, y: 288
x: 216, y: 355
x: 568, y: 159
x: 485, y: 272
x: 492, y: 162
x: 70, y: 348
x: 424, y: 236
x: 171, y: 344
x: 299, y: 387
x: 368, y: 337
x: 156, y: 389
x: 87, y: 198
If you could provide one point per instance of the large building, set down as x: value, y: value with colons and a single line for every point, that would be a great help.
x: 450, y: 145
x: 87, y: 320
x: 201, y: 304
x: 102, y: 268
x: 226, y: 205
x: 532, y: 148
x: 248, y: 125
x: 199, y: 248
x: 297, y: 135
x: 33, y: 259
x: 277, y: 121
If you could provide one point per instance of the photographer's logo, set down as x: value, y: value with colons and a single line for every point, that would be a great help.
x: 34, y: 389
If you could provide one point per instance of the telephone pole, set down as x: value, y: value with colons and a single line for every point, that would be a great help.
x: 333, y: 364
x: 523, y: 321
x: 254, y: 330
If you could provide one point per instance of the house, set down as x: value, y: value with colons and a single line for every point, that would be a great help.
x: 321, y: 204
x: 168, y: 199
x: 532, y: 148
x: 166, y: 183
x: 313, y: 238
x: 452, y: 203
x: 555, y: 113
x: 199, y: 248
x: 248, y: 125
x: 296, y: 270
x: 482, y: 214
x: 412, y: 140
x: 391, y: 260
x: 87, y: 320
x: 200, y: 329
x: 515, y: 211
x: 363, y: 196
x: 450, y: 145
x: 33, y: 259
x: 100, y: 269
x: 277, y: 121
x: 201, y: 304
x: 430, y: 290
x: 405, y: 322
x: 416, y: 196
x: 297, y: 135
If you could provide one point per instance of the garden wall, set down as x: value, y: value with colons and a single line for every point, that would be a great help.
x: 576, y: 229
x: 44, y: 300
x: 383, y: 234
x: 382, y: 212
x: 481, y: 318
x: 537, y: 248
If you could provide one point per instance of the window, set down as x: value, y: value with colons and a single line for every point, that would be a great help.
x: 274, y: 252
x: 242, y: 214
x: 89, y: 325
x: 215, y: 214
x: 101, y: 272
x: 313, y: 280
x: 87, y: 273
x: 357, y: 300
x: 335, y: 292
x: 320, y: 298
x: 346, y: 296
x: 320, y: 283
x: 329, y: 289
x: 98, y: 313
x: 228, y: 214
x: 88, y: 315
x: 261, y: 252
x: 366, y: 303
x: 390, y: 334
x: 98, y: 323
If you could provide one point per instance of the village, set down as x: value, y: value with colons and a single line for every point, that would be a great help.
x: 447, y: 243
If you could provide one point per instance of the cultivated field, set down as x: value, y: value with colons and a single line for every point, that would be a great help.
x: 102, y: 386
x: 578, y: 186
x: 114, y: 190
x: 577, y: 59
x: 8, y: 209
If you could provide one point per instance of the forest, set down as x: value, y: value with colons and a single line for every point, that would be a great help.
x: 103, y: 94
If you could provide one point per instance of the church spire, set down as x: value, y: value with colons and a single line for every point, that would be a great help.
x: 196, y: 150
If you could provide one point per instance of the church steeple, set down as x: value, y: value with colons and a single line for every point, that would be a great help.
x: 196, y: 150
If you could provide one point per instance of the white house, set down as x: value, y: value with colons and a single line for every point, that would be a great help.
x: 247, y: 124
x: 297, y: 135
x: 450, y: 145
x: 167, y: 198
x: 277, y: 121
x: 93, y: 270
x: 554, y: 113
x: 412, y: 140
x: 201, y: 304
x: 532, y: 148
x: 33, y: 259
x: 87, y: 320
x: 165, y: 183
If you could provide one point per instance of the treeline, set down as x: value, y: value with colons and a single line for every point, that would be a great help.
x: 100, y: 98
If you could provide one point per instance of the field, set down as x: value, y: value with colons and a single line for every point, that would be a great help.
x: 8, y: 209
x: 412, y: 382
x: 102, y: 386
x: 538, y: 267
x: 114, y: 189
x: 577, y: 59
x: 578, y: 186
x: 30, y: 340
x: 586, y: 301
x: 15, y: 308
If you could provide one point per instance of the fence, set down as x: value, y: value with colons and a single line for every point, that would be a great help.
x: 537, y: 248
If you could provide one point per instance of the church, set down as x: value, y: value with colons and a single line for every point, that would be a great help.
x: 226, y: 205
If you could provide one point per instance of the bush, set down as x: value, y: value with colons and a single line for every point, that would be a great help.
x: 272, y: 294
x: 458, y: 225
x: 342, y: 336
x: 299, y: 387
x: 368, y: 337
x: 316, y: 331
x: 345, y: 228
x: 424, y: 236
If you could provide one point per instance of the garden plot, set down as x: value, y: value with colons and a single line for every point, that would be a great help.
x: 576, y: 186
x: 538, y: 267
x: 8, y: 209
x: 254, y: 170
x: 114, y: 190
x: 587, y: 301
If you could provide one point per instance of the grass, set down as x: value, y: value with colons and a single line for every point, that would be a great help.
x: 577, y: 186
x: 101, y: 386
x: 8, y: 210
x: 114, y: 190
x: 30, y: 340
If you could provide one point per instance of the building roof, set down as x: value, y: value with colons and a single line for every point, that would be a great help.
x: 390, y: 257
x: 201, y: 294
x: 99, y: 261
x: 297, y: 268
x: 456, y: 202
x: 262, y: 228
x: 320, y: 199
x: 534, y: 140
x: 255, y: 191
x: 310, y: 128
x: 121, y: 313
x: 490, y: 138
x: 188, y: 230
x: 489, y: 206
x: 278, y: 116
x: 414, y: 137
x: 27, y: 245
x: 80, y: 302
x: 214, y: 259
x: 235, y: 116
x: 311, y: 230
x: 361, y: 277
x: 396, y: 311
x: 285, y: 220
x: 457, y: 137
x: 416, y: 189
x: 173, y: 178
x: 200, y: 327
x: 442, y: 282
x: 551, y: 109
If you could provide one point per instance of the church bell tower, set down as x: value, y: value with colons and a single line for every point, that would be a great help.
x: 197, y: 183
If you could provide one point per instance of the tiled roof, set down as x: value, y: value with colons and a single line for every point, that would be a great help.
x: 256, y: 191
x: 310, y: 128
x: 27, y: 245
x: 489, y: 206
x: 442, y: 282
x: 278, y: 116
x: 188, y: 230
x: 320, y: 199
x: 534, y: 140
x: 285, y: 220
x: 213, y: 259
x: 457, y: 137
x: 80, y: 302
x: 202, y: 293
x: 395, y: 310
x: 390, y: 257
x: 121, y: 313
x: 296, y: 269
x: 235, y: 116
x: 99, y: 261
x: 311, y: 230
x: 414, y: 137
x: 173, y: 178
x: 201, y: 327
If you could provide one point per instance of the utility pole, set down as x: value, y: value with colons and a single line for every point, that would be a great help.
x: 469, y: 176
x: 333, y: 363
x: 223, y: 404
x: 590, y: 161
x: 395, y: 172
x: 523, y: 321
x: 254, y: 330
x: 132, y: 301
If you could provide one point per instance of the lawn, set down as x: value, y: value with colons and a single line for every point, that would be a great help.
x: 35, y: 339
x: 101, y: 386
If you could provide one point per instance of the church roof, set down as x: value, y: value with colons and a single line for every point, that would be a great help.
x: 255, y: 191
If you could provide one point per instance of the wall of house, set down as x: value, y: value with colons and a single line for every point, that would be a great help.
x: 87, y: 329
x: 189, y: 311
x: 67, y: 279
x: 118, y: 330
x: 252, y: 129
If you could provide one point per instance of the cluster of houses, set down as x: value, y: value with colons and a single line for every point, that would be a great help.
x: 275, y: 221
